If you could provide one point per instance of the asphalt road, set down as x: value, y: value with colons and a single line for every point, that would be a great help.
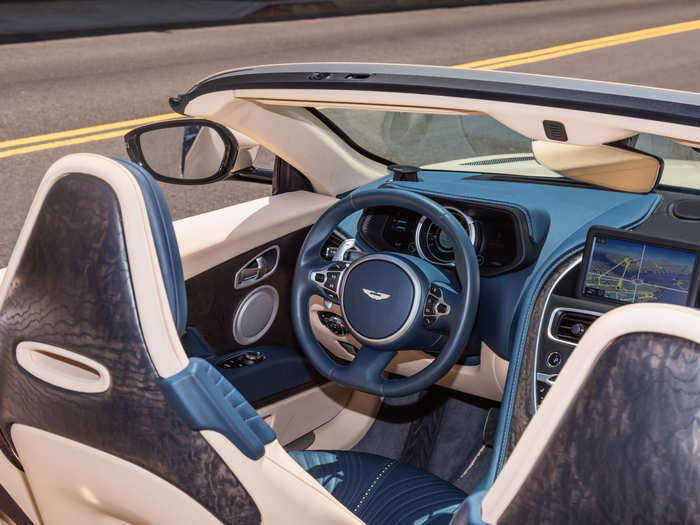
x: 73, y: 83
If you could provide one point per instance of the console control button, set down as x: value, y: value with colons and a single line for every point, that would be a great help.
x: 553, y: 359
x: 542, y: 389
x: 245, y: 359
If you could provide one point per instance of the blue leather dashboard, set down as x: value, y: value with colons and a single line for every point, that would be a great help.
x: 558, y: 218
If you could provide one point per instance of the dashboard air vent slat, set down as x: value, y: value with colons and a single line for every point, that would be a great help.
x: 570, y: 326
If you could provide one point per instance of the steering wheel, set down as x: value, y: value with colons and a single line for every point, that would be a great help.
x: 390, y: 301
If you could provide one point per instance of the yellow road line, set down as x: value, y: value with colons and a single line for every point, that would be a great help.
x: 95, y: 133
x: 85, y: 131
x: 549, y: 53
x: 62, y: 143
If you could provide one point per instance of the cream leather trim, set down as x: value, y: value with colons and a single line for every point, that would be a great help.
x: 347, y: 429
x: 283, y: 491
x: 486, y: 379
x: 63, y: 368
x: 606, y: 166
x: 582, y: 127
x: 277, y: 120
x: 211, y: 238
x: 152, y: 304
x: 77, y: 484
x: 2, y: 274
x: 16, y: 484
x: 295, y: 416
x: 302, y: 140
x: 678, y: 321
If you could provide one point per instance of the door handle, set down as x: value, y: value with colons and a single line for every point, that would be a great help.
x: 258, y: 268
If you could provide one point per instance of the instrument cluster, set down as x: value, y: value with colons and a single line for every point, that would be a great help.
x: 496, y: 234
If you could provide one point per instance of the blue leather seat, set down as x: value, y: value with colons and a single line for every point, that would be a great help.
x: 382, y: 491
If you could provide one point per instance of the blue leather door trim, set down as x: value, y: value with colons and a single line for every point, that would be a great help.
x: 195, y: 345
x: 283, y: 369
x: 206, y: 401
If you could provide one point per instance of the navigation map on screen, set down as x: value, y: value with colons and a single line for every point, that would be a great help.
x: 634, y: 272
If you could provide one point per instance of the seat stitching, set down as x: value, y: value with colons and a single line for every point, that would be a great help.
x: 373, y: 484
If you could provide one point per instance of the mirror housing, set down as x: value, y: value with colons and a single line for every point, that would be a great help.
x: 184, y: 151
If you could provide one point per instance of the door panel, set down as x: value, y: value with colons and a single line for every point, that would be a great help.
x: 213, y: 299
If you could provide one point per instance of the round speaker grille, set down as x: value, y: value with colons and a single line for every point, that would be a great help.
x: 255, y: 315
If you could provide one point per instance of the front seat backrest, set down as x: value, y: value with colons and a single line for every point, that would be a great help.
x: 91, y: 310
x: 617, y: 439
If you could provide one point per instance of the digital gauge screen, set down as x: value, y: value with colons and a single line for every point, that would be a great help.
x: 434, y: 244
x: 622, y: 268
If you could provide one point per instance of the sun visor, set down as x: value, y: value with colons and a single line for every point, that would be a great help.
x: 606, y: 166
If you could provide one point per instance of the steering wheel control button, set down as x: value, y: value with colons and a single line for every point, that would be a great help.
x: 430, y: 305
x: 332, y: 280
x: 319, y: 278
x: 348, y: 347
x: 333, y: 322
x: 380, y: 298
x: 553, y: 359
x: 434, y: 307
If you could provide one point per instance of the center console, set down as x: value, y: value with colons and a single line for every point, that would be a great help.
x: 617, y: 267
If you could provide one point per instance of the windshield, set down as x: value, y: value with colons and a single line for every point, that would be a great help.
x: 479, y: 143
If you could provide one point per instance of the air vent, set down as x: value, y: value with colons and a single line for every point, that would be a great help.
x: 555, y: 130
x: 569, y: 326
x: 498, y: 161
x: 330, y: 248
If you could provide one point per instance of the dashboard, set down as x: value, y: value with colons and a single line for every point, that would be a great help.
x: 499, y: 235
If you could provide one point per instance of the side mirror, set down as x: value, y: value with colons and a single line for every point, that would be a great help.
x: 183, y: 151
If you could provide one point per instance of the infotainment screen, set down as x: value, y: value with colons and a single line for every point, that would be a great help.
x: 623, y: 267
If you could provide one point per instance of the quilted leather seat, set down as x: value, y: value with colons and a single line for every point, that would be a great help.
x: 382, y: 491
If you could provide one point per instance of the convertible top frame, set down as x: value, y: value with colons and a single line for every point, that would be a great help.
x: 663, y: 105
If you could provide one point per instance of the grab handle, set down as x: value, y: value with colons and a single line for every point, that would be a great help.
x: 63, y: 368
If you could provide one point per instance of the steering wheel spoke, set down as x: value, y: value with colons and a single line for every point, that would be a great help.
x: 366, y: 369
x: 327, y: 279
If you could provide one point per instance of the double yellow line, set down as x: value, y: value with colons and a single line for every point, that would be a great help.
x: 549, y: 53
x: 10, y: 148
x: 75, y: 136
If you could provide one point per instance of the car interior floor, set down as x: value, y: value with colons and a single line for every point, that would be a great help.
x: 437, y: 430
